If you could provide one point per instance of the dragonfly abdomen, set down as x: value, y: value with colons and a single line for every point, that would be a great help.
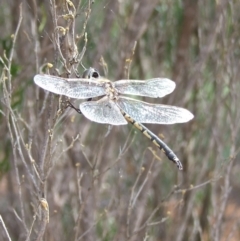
x: 156, y: 140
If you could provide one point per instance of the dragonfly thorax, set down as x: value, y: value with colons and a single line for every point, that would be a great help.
x: 111, y: 92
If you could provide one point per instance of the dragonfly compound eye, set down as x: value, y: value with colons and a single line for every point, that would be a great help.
x: 91, y: 73
x: 95, y: 74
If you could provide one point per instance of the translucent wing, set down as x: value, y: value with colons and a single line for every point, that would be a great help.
x: 153, y: 113
x: 154, y: 88
x: 103, y: 111
x: 74, y: 88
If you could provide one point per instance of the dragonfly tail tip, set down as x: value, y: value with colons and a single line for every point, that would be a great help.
x: 180, y: 167
x: 179, y: 164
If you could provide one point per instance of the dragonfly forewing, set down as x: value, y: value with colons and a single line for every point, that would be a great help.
x: 103, y: 111
x: 73, y: 88
x: 144, y: 112
x: 157, y: 87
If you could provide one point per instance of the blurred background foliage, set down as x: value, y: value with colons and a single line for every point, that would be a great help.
x: 65, y: 178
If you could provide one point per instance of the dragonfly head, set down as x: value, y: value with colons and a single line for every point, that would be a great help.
x: 91, y: 73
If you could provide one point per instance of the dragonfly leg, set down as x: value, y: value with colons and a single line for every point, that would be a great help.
x: 69, y: 104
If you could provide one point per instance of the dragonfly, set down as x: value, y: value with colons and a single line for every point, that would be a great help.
x: 107, y: 103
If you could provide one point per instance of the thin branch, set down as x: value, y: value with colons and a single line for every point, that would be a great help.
x: 13, y: 48
x: 5, y: 228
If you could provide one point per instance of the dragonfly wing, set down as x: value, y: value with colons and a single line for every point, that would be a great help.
x: 144, y: 112
x: 154, y: 88
x: 74, y: 88
x: 103, y: 111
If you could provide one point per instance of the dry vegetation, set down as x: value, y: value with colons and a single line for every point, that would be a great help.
x: 65, y: 178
